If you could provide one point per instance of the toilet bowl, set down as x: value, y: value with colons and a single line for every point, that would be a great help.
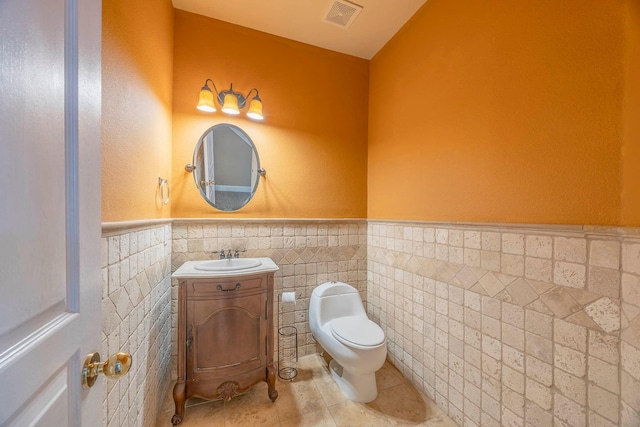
x: 339, y: 323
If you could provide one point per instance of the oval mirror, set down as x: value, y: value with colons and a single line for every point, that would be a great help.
x: 227, y: 167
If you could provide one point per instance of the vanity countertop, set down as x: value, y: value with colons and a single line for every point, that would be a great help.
x: 188, y: 270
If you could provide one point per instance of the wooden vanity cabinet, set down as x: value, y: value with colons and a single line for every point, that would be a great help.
x: 225, y: 338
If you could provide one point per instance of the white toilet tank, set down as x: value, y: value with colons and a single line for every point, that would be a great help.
x: 332, y: 300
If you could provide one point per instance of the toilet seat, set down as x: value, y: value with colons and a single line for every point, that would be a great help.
x: 357, y: 331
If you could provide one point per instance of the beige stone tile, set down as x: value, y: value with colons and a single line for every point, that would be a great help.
x: 491, y: 307
x: 570, y: 386
x: 521, y: 292
x: 348, y: 414
x: 491, y: 327
x: 605, y: 313
x: 205, y: 414
x: 570, y: 249
x: 569, y: 411
x: 539, y: 347
x: 514, y: 401
x: 630, y: 391
x: 388, y: 376
x: 631, y: 289
x: 581, y: 318
x: 569, y: 274
x: 539, y: 394
x: 490, y: 260
x: 320, y: 418
x: 512, y: 264
x: 603, y: 346
x: 537, y: 416
x: 604, y: 403
x: 438, y: 421
x: 539, y: 324
x: 472, y: 239
x: 513, y: 315
x: 604, y: 281
x: 513, y: 336
x: 540, y: 371
x: 605, y: 253
x: 403, y: 405
x: 571, y: 361
x: 538, y: 269
x: 629, y: 417
x: 251, y: 409
x: 491, y: 347
x: 604, y: 375
x: 329, y: 390
x: 539, y: 246
x: 513, y: 379
x: 491, y: 241
x: 490, y: 405
x: 570, y: 335
x: 630, y: 360
x: 596, y: 420
x: 487, y: 421
x: 513, y: 358
x: 472, y: 257
x: 513, y: 243
x: 631, y: 258
x: 297, y: 399
x: 540, y: 287
x: 491, y: 284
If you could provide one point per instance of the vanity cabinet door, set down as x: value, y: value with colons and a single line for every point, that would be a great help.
x: 226, y: 336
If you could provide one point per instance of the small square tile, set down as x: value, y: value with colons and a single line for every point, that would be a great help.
x: 539, y: 246
x: 513, y: 243
x: 605, y: 253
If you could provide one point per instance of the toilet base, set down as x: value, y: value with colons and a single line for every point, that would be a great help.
x: 357, y: 387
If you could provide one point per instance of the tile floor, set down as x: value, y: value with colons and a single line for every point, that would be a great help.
x: 314, y: 399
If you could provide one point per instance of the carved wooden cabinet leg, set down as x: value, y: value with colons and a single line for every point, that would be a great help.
x: 179, y: 399
x: 271, y: 383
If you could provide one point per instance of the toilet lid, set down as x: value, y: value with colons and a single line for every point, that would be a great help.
x: 357, y: 330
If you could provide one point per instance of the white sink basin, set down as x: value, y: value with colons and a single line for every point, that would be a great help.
x: 230, y: 264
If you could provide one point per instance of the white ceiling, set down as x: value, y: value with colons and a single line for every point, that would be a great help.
x: 303, y: 20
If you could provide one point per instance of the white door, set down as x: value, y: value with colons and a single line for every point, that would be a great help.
x: 50, y: 282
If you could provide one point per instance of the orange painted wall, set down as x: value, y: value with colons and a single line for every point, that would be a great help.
x: 631, y: 149
x: 313, y: 141
x: 137, y: 64
x: 488, y: 111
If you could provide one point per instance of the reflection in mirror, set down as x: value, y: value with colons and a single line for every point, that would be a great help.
x: 227, y: 167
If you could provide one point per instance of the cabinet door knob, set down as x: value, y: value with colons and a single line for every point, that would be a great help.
x: 219, y: 287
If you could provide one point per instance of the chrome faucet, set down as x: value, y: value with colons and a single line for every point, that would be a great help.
x: 222, y: 255
x: 237, y: 253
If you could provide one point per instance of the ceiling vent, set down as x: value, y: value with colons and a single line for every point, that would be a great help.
x: 342, y: 13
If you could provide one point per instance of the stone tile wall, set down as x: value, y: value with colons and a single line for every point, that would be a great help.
x: 308, y: 252
x: 512, y: 325
x: 136, y: 312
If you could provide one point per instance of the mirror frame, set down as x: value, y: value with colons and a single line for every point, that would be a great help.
x: 249, y: 141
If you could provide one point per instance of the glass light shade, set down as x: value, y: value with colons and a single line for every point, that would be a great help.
x: 205, y: 102
x: 230, y: 105
x: 255, y: 109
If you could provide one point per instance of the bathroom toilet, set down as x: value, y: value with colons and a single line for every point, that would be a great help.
x: 358, y: 346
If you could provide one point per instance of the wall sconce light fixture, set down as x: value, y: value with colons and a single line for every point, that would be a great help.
x: 230, y: 100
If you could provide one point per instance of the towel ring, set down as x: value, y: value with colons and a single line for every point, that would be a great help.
x: 164, y: 186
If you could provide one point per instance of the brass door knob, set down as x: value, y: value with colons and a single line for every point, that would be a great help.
x: 114, y: 367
